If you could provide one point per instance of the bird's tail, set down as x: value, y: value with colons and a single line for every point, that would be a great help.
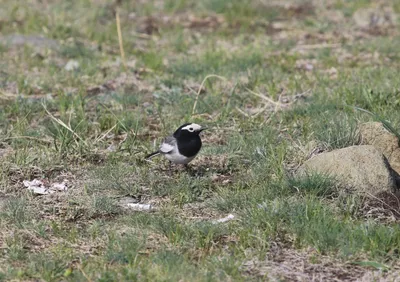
x: 152, y: 155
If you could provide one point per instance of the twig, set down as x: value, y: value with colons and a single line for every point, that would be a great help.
x: 264, y: 98
x: 260, y: 112
x: 192, y: 90
x: 105, y: 134
x: 277, y: 107
x: 119, y: 121
x: 83, y: 273
x: 141, y: 35
x: 302, y: 94
x: 121, y: 46
x: 201, y: 87
x: 7, y: 96
x: 60, y: 122
x: 242, y: 112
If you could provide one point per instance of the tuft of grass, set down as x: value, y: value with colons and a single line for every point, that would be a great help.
x: 217, y: 62
x: 314, y: 184
x: 337, y: 131
x: 243, y: 14
x: 50, y: 268
x: 112, y: 178
x: 124, y: 250
x: 16, y: 212
x: 104, y: 206
x: 16, y: 248
x: 314, y: 222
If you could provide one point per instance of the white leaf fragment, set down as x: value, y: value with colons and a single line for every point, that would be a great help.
x: 71, y: 65
x: 224, y: 219
x: 140, y: 207
x: 38, y: 187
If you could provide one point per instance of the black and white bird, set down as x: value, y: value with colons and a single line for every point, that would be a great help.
x: 182, y: 146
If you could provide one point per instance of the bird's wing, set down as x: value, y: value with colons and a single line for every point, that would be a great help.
x: 168, y: 145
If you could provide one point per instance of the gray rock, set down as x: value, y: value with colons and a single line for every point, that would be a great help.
x: 375, y: 134
x: 362, y: 168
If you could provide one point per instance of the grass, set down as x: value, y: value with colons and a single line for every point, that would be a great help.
x: 92, y: 126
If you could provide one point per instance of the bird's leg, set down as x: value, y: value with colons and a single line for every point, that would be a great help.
x: 188, y: 168
x: 170, y: 167
x: 191, y: 171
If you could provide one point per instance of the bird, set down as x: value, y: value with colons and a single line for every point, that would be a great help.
x: 182, y: 146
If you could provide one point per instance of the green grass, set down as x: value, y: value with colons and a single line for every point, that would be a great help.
x: 16, y: 212
x: 93, y: 125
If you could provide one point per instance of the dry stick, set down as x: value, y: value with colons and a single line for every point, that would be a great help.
x: 141, y: 35
x: 119, y: 121
x: 260, y: 111
x: 121, y: 46
x: 60, y: 122
x: 242, y: 112
x: 302, y: 93
x: 105, y: 134
x: 7, y: 96
x: 191, y: 89
x: 264, y: 97
x: 83, y: 273
x: 277, y: 105
x: 201, y: 87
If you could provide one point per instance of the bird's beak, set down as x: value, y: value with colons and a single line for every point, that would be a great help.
x: 203, y: 128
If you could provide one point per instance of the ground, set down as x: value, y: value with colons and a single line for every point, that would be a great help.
x: 274, y: 81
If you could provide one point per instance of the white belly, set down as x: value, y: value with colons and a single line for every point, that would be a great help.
x: 177, y: 158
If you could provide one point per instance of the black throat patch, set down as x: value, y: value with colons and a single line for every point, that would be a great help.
x: 189, y: 146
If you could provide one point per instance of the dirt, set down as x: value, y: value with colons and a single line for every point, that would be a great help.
x: 283, y: 263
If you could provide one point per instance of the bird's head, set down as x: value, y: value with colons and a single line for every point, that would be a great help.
x: 189, y: 129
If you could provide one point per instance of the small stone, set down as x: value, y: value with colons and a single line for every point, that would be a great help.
x: 71, y: 65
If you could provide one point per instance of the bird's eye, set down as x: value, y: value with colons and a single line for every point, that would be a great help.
x: 191, y: 129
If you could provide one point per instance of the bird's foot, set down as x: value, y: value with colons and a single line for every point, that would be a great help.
x: 189, y: 170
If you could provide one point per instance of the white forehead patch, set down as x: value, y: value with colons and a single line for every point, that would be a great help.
x: 192, y: 127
